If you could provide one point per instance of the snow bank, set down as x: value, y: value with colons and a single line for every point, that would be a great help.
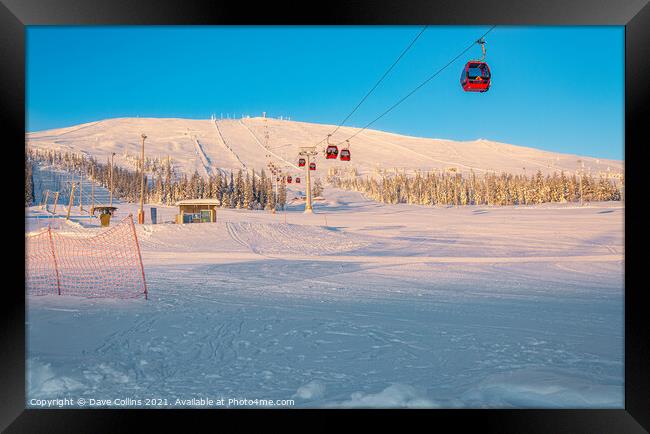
x: 43, y: 382
x: 394, y: 396
x: 545, y: 388
x: 312, y: 390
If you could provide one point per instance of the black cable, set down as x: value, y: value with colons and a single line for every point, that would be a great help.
x: 420, y: 85
x: 377, y: 83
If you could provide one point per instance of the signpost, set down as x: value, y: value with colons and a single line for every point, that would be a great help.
x: 141, y: 210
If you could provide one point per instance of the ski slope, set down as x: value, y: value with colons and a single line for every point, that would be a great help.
x: 359, y: 305
x: 232, y: 144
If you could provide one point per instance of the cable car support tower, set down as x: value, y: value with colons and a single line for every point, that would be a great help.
x: 308, y: 151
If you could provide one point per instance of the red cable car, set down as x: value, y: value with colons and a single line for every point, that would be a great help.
x: 297, y: 180
x: 301, y: 162
x: 476, y: 76
x: 312, y: 166
x: 345, y: 155
x: 332, y: 152
x: 289, y: 179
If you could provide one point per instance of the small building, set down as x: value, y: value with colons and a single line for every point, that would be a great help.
x: 197, y: 211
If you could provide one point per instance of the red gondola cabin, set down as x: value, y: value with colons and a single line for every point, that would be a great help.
x: 312, y: 166
x: 301, y: 162
x: 297, y: 180
x: 289, y: 179
x: 345, y: 155
x: 475, y: 77
x: 332, y: 152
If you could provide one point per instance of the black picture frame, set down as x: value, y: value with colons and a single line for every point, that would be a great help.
x: 634, y: 15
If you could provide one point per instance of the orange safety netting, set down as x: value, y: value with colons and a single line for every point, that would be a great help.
x: 104, y: 265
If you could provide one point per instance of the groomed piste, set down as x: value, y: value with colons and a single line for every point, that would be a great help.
x: 360, y: 304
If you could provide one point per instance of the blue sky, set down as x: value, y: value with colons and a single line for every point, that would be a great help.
x: 554, y: 88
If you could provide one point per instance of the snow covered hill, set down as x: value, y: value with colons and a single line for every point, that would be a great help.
x: 210, y: 145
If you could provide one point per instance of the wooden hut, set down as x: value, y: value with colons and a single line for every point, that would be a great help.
x: 197, y: 211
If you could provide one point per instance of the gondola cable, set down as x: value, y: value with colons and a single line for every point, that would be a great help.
x: 408, y: 47
x: 420, y: 85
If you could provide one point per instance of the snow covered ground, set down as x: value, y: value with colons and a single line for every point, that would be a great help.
x: 358, y: 305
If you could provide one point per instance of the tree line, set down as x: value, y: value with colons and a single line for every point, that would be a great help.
x: 251, y: 190
x: 432, y: 188
x: 29, y: 181
x: 165, y: 186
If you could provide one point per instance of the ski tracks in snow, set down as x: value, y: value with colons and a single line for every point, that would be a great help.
x: 269, y: 239
x: 267, y: 149
x: 234, y: 234
x: 225, y: 144
x: 404, y: 148
x: 205, y: 161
